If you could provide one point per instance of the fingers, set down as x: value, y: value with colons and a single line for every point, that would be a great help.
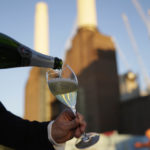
x: 78, y: 133
x: 76, y: 123
x: 81, y: 122
x: 82, y: 125
x: 68, y: 114
x: 71, y: 125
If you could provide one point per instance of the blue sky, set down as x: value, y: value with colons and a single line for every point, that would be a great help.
x: 17, y: 21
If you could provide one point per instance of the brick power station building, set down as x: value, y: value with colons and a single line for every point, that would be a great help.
x: 92, y: 56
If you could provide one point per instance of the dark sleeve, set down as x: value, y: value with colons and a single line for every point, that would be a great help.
x: 21, y: 134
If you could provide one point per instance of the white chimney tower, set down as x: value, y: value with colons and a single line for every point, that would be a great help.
x: 41, y: 33
x: 86, y: 13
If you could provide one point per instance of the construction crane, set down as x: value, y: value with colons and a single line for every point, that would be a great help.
x: 149, y: 12
x: 148, y: 17
x: 136, y: 51
x: 143, y: 16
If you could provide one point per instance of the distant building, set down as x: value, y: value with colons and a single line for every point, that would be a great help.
x: 129, y: 86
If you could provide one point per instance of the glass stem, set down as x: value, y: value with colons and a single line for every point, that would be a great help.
x: 74, y: 111
x: 85, y: 137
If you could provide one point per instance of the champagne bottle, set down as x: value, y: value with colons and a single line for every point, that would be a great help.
x: 15, y: 54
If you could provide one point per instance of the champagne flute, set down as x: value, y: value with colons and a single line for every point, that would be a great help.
x: 64, y: 85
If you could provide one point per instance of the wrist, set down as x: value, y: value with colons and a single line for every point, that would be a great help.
x: 51, y: 139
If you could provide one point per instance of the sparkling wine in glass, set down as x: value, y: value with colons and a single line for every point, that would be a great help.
x: 64, y: 85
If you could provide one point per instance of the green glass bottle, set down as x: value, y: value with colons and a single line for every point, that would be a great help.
x: 15, y: 54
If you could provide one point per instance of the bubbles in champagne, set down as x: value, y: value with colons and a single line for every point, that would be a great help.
x: 60, y: 86
x: 65, y: 91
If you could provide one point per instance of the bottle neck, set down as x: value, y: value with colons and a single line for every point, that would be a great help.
x: 41, y: 60
x: 33, y: 58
